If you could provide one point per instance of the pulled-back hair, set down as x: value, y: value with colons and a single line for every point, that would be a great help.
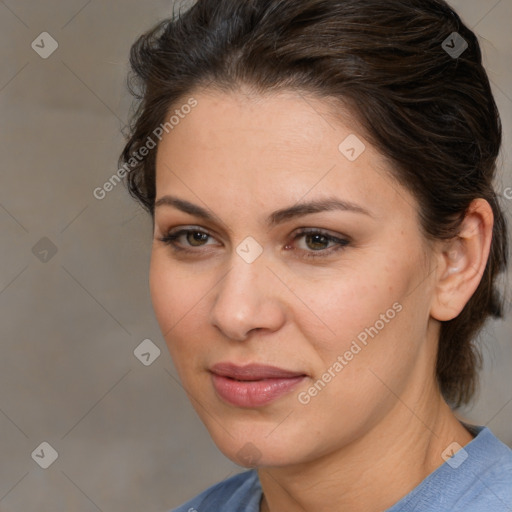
x: 428, y: 110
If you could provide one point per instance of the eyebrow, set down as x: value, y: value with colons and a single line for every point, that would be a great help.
x: 275, y: 218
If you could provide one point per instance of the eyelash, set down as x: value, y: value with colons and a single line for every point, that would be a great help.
x: 170, y: 239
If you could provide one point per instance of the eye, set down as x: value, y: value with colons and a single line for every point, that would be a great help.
x: 317, y: 243
x: 183, y: 239
x: 308, y: 242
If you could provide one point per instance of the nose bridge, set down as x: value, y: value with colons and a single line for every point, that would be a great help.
x: 244, y: 300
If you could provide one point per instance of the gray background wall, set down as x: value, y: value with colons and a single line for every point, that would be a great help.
x: 126, y: 437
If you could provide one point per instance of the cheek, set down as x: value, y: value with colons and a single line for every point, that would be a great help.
x: 351, y: 302
x: 376, y: 328
x: 174, y: 296
x: 369, y: 318
x: 180, y: 301
x: 164, y: 294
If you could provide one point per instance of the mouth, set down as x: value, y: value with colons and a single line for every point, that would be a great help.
x: 253, y: 385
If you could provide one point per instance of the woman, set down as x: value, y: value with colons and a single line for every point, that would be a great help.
x: 326, y: 242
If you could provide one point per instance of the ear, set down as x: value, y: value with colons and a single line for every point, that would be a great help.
x: 462, y: 261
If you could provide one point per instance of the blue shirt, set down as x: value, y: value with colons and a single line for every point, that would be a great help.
x: 478, y: 478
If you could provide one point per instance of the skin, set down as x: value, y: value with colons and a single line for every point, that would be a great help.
x: 379, y: 427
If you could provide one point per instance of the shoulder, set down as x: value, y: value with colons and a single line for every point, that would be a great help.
x: 478, y: 478
x: 240, y: 493
x: 490, y: 476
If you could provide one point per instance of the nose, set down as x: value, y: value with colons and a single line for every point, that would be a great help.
x: 248, y: 299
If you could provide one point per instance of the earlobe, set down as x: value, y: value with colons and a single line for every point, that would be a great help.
x: 462, y: 262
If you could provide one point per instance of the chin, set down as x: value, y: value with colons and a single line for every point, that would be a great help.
x: 259, y: 449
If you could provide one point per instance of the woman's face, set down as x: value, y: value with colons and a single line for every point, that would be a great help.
x: 301, y: 254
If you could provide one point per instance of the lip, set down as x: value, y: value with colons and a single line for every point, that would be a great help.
x: 253, y: 385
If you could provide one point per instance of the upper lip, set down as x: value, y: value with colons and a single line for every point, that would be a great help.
x: 253, y: 371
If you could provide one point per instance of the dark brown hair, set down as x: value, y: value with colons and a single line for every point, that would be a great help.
x: 429, y: 111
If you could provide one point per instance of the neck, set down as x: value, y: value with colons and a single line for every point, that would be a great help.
x: 376, y: 470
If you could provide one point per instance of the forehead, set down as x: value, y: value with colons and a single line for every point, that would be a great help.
x: 249, y: 149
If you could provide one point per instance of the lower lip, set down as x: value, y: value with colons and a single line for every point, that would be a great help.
x: 255, y: 393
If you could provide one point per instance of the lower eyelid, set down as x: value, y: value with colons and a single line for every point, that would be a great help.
x: 323, y: 252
